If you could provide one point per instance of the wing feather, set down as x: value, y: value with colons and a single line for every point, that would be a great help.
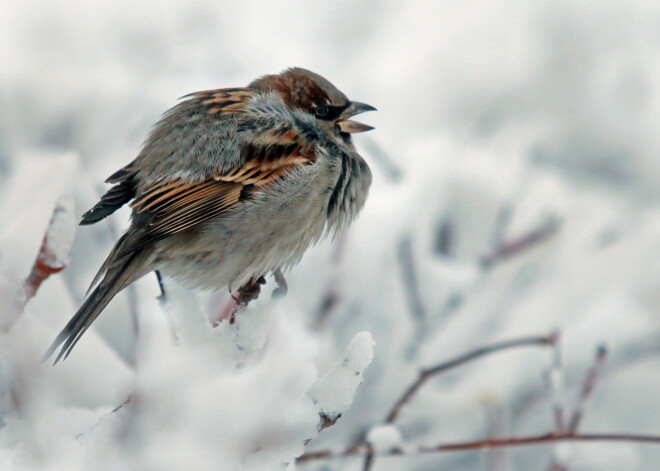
x: 170, y: 206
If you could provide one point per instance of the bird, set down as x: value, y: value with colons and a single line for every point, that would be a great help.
x: 231, y: 184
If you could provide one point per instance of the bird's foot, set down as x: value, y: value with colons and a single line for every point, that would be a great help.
x: 249, y: 291
x: 246, y: 294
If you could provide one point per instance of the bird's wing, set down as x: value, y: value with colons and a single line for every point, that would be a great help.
x: 213, y: 104
x: 121, y: 193
x: 265, y: 148
x: 172, y: 206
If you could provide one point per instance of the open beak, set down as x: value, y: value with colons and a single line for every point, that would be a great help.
x: 348, y: 126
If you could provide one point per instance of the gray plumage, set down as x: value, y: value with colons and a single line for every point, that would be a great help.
x: 230, y: 185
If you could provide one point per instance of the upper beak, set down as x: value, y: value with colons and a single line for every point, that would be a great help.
x: 352, y: 127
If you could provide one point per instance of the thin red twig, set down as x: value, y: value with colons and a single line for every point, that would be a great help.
x: 369, y: 458
x: 555, y: 384
x: 497, y: 459
x: 588, y: 388
x: 411, y: 280
x: 507, y: 250
x: 586, y: 391
x: 385, y: 162
x: 486, y: 444
x: 556, y: 387
x: 428, y: 373
x: 50, y: 260
x: 330, y: 298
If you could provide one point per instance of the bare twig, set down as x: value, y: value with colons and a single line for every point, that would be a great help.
x: 428, y: 373
x: 530, y: 399
x: 502, y: 223
x: 411, y: 280
x: 537, y: 439
x: 555, y: 384
x: 568, y: 434
x: 330, y: 298
x: 496, y: 459
x: 486, y: 444
x: 101, y: 418
x: 556, y: 388
x: 588, y: 388
x: 585, y: 394
x: 501, y: 251
x: 369, y: 458
x: 444, y: 237
x: 383, y: 159
x: 507, y: 250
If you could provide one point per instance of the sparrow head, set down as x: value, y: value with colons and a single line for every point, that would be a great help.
x: 304, y: 90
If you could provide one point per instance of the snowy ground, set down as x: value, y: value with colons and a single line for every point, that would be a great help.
x: 498, y: 120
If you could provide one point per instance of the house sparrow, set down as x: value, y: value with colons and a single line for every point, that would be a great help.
x: 230, y: 185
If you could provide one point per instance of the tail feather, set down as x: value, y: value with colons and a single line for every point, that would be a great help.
x: 116, y: 278
x: 109, y: 261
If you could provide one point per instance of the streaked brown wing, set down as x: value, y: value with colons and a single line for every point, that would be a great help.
x: 218, y: 103
x: 223, y: 101
x: 174, y: 206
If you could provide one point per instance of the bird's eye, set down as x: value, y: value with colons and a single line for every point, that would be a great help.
x: 321, y: 110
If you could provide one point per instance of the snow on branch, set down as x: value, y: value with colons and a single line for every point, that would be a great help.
x: 52, y: 257
x: 55, y: 249
x: 386, y: 441
x: 333, y: 393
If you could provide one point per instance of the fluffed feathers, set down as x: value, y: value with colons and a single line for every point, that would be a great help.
x: 231, y: 184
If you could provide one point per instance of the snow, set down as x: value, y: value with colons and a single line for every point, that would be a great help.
x: 384, y: 438
x: 495, y: 118
x: 60, y: 232
x: 333, y: 393
x: 40, y: 181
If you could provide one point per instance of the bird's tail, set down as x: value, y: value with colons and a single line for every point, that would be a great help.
x: 119, y: 274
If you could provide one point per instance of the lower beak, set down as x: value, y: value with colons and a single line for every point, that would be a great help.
x: 348, y: 126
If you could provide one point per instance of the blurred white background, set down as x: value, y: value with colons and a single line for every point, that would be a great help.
x: 497, y: 120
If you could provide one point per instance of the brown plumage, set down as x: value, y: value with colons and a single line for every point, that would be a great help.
x: 230, y: 185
